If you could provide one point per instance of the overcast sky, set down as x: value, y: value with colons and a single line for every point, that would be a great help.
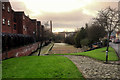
x: 67, y: 15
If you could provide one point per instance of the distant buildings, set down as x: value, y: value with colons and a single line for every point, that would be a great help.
x: 65, y: 34
x: 118, y: 35
x: 115, y: 36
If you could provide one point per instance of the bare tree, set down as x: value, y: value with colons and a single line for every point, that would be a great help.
x: 110, y: 19
x: 95, y: 32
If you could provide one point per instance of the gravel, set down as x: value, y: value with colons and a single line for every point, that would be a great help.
x: 94, y: 69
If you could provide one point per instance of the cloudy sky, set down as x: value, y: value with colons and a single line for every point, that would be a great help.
x: 67, y: 15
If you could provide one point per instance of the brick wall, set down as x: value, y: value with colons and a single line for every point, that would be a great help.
x: 25, y: 22
x: 32, y: 27
x: 22, y: 51
x: 38, y: 29
x: 7, y: 16
x: 19, y: 20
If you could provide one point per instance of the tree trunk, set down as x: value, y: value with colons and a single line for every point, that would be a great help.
x: 107, y: 46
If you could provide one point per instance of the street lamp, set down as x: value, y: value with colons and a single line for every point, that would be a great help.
x: 107, y: 47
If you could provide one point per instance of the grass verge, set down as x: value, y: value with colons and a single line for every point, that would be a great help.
x: 40, y: 67
x: 99, y: 54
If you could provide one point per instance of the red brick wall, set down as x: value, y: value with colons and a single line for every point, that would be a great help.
x: 32, y: 27
x: 25, y: 21
x: 19, y: 20
x: 7, y: 16
x: 24, y: 24
x: 38, y: 29
x: 28, y: 24
x: 14, y: 23
x: 22, y: 51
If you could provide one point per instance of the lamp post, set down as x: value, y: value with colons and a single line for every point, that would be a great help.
x: 119, y: 51
x: 109, y: 33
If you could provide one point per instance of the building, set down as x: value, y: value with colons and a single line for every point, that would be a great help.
x: 16, y: 22
x: 23, y: 22
x: 38, y: 30
x: 7, y: 18
x: 12, y: 22
x: 32, y: 28
x: 14, y: 29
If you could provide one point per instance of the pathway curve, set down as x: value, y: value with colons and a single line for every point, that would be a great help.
x: 92, y: 68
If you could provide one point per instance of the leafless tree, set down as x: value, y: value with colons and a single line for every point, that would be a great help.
x: 110, y: 19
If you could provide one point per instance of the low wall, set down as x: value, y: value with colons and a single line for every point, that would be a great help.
x: 22, y: 51
x: 116, y: 47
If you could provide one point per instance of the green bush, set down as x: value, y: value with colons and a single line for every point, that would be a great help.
x: 85, y: 42
x: 104, y: 42
x: 81, y: 34
x: 77, y: 40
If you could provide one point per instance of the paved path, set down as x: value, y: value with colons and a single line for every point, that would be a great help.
x: 116, y: 47
x: 61, y: 48
x: 91, y: 68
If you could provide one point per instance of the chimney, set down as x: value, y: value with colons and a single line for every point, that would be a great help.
x: 51, y: 26
x: 119, y: 5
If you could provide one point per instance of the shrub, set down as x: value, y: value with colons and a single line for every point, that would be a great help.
x: 85, y: 42
x: 104, y: 42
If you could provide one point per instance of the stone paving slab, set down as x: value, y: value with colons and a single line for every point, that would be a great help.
x: 92, y: 68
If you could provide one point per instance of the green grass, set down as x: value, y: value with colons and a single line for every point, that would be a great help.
x: 0, y: 70
x: 98, y: 54
x: 40, y: 67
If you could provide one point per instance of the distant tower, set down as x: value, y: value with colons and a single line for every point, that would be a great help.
x: 51, y: 26
x: 119, y: 6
